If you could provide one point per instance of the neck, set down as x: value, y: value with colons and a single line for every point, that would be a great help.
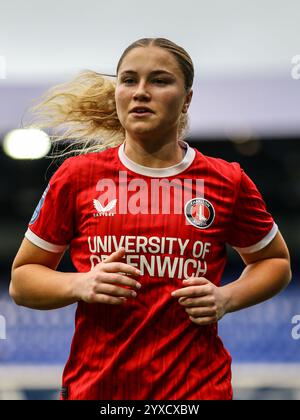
x: 154, y: 154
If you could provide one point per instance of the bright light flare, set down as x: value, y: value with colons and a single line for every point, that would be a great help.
x: 28, y: 143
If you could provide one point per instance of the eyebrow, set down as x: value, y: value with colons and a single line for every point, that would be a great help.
x: 154, y: 72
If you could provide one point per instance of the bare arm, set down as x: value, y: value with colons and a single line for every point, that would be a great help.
x: 266, y: 273
x: 36, y: 284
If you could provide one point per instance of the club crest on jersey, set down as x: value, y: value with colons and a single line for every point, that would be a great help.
x: 105, y: 210
x: 199, y: 212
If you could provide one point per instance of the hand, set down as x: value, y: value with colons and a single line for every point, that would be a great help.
x: 105, y: 283
x: 204, y: 302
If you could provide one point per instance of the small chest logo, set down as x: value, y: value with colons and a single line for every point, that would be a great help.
x: 107, y: 210
x: 199, y: 212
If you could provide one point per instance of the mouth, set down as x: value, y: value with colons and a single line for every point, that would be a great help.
x: 141, y: 111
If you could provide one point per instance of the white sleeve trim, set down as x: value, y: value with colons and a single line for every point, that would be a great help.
x: 261, y: 244
x: 47, y: 246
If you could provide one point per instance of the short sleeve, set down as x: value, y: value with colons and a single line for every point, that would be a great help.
x: 252, y: 226
x: 52, y: 224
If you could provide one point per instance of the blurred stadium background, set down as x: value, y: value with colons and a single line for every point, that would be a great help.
x: 246, y: 108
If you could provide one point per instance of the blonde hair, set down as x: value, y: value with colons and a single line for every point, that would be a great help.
x: 82, y: 113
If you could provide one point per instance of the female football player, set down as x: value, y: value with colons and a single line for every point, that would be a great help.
x: 147, y: 218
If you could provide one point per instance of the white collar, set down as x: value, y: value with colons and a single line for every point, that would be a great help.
x: 159, y: 172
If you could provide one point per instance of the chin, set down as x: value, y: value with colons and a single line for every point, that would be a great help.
x: 142, y: 129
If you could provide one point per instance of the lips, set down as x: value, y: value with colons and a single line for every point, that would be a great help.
x: 141, y: 110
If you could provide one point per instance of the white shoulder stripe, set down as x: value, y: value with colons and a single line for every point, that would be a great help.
x: 47, y: 246
x: 261, y: 244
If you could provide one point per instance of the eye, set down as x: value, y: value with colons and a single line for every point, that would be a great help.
x: 160, y: 81
x: 128, y: 81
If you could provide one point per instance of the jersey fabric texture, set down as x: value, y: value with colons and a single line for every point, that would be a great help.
x: 148, y: 348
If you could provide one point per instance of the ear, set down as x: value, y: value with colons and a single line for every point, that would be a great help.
x: 187, y: 101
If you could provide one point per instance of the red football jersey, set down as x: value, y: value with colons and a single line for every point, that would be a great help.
x: 174, y: 223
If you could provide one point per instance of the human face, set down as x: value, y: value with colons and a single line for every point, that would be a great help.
x: 150, y: 77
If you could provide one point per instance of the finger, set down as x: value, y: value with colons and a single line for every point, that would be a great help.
x: 199, y: 301
x: 192, y: 291
x: 116, y: 267
x: 116, y: 256
x: 201, y: 312
x: 191, y: 281
x: 113, y: 278
x: 111, y: 290
x: 111, y: 300
x: 203, y: 321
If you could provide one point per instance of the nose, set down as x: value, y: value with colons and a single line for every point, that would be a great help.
x: 141, y: 92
